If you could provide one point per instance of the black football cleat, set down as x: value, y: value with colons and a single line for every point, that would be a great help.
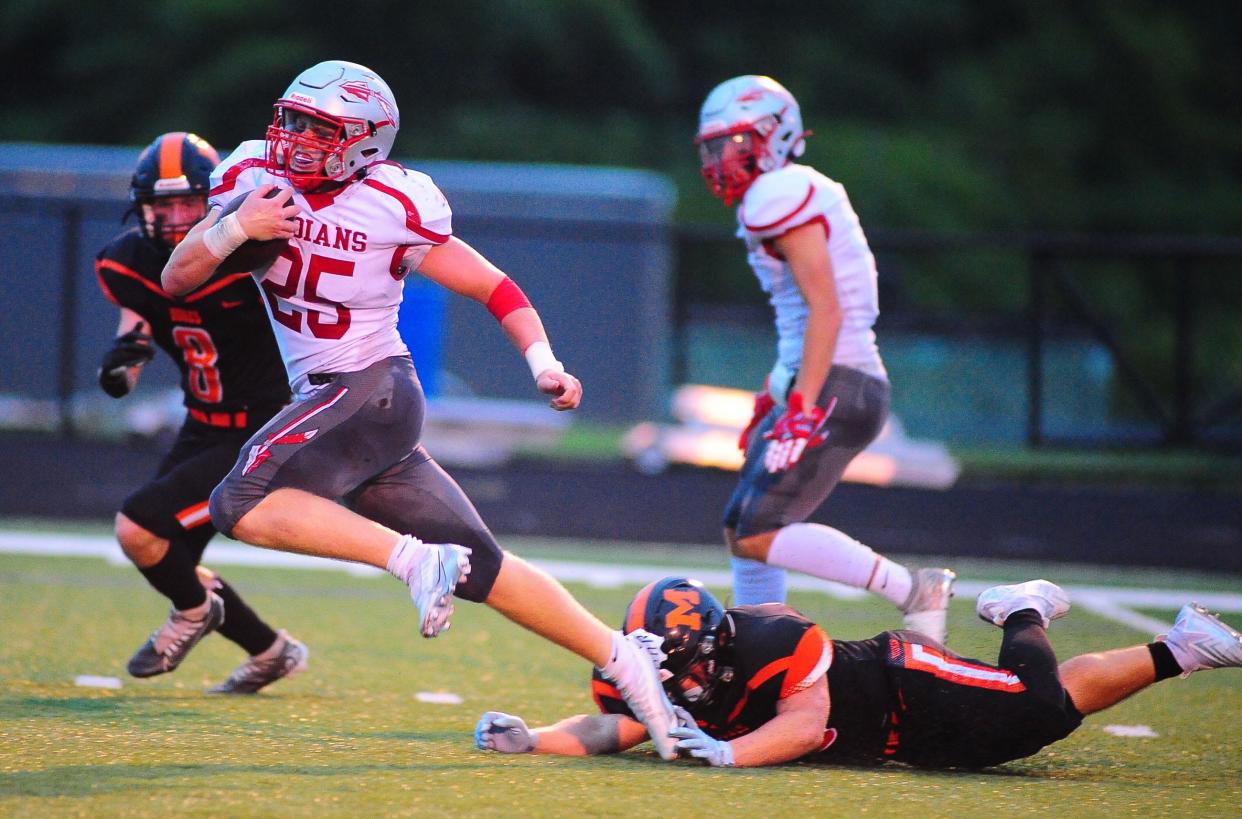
x: 167, y: 646
x: 259, y: 671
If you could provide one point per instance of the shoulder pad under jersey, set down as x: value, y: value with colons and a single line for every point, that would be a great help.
x: 427, y: 212
x: 779, y: 200
x: 241, y: 172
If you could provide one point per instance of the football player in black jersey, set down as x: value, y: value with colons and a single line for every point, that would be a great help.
x: 233, y: 380
x: 761, y: 685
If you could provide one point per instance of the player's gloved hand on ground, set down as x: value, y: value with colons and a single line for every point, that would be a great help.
x: 132, y: 349
x: 693, y: 740
x: 764, y: 403
x: 503, y: 733
x: 799, y: 429
x: 565, y: 389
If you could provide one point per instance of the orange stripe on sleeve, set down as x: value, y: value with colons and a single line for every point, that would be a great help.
x: 117, y: 267
x: 810, y: 659
x: 103, y: 286
x: 214, y: 286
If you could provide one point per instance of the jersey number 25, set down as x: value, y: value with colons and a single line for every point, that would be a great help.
x: 317, y: 267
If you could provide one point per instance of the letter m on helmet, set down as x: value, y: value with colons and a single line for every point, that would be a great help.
x: 683, y: 613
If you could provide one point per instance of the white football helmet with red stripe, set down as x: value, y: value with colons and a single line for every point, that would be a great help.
x: 333, y: 121
x: 748, y: 125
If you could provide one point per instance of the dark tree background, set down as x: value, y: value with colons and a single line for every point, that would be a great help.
x: 1091, y: 115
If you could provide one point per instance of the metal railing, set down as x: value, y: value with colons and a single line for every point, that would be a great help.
x: 1181, y: 415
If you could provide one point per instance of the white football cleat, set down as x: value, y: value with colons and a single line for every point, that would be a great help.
x: 926, y: 609
x: 441, y: 566
x: 635, y: 672
x: 1201, y: 640
x: 997, y: 603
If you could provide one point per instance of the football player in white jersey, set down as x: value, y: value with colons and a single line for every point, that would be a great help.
x: 827, y: 395
x: 341, y: 472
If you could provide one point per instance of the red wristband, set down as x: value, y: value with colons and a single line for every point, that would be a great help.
x: 506, y: 298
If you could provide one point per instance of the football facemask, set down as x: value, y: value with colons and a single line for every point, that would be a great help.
x: 695, y: 630
x: 169, y: 218
x: 730, y: 162
x: 307, y: 147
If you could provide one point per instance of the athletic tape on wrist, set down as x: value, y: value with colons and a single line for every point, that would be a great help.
x: 224, y: 237
x: 506, y: 298
x: 539, y: 358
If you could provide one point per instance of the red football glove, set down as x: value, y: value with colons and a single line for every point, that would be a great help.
x: 763, y: 405
x: 796, y: 431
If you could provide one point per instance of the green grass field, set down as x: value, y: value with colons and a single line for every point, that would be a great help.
x: 349, y: 737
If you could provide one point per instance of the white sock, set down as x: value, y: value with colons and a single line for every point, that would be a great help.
x: 404, y: 557
x: 756, y: 582
x: 611, y: 668
x: 825, y: 552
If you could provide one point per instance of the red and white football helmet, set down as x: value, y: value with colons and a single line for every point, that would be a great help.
x: 747, y: 126
x: 333, y: 121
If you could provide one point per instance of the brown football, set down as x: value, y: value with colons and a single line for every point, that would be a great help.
x: 253, y: 254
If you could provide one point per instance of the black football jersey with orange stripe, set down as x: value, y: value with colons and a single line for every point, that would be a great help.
x: 777, y: 652
x: 218, y: 335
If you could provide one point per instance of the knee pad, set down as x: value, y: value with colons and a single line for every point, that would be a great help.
x: 485, y: 559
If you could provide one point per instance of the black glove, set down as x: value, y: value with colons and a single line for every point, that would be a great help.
x: 130, y: 350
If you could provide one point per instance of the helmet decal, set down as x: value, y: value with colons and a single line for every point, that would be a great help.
x: 684, y: 601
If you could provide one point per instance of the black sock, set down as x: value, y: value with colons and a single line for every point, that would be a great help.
x: 241, y: 624
x: 1025, y: 651
x: 175, y: 578
x: 1165, y: 662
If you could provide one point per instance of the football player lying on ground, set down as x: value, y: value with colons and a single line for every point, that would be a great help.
x: 760, y: 685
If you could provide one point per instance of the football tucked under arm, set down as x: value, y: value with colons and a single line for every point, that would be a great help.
x: 252, y: 254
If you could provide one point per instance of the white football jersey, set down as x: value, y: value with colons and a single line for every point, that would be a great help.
x: 790, y: 197
x: 333, y: 295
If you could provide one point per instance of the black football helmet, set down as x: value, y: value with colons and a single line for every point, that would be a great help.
x: 698, y: 636
x: 176, y: 165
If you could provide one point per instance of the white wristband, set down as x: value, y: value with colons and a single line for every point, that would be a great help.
x: 224, y: 237
x: 540, y: 358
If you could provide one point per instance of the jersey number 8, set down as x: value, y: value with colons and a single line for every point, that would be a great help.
x: 200, y: 355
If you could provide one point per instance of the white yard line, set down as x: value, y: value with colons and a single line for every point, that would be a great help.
x: 1110, y: 603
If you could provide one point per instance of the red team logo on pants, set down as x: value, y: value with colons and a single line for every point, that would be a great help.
x: 285, y: 435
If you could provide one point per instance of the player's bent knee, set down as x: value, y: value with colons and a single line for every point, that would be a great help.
x: 228, y: 506
x: 141, y: 546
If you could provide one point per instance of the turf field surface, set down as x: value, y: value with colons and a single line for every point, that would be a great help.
x: 351, y: 737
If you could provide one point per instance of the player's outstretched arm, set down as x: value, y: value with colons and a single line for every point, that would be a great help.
x: 580, y: 735
x: 795, y: 731
x: 208, y: 243
x: 462, y: 269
